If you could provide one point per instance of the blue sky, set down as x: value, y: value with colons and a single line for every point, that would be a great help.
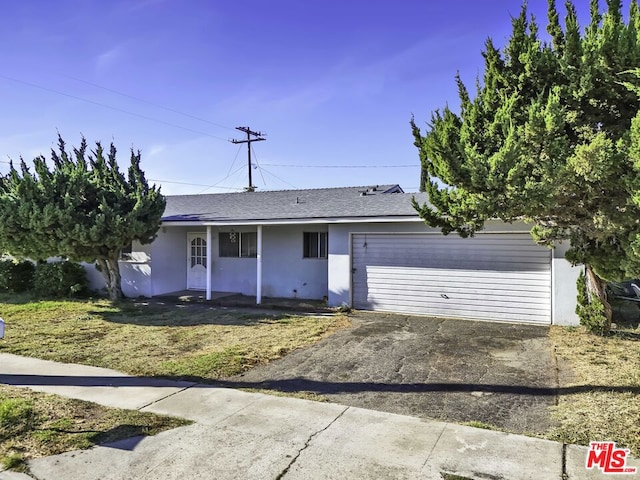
x: 332, y: 83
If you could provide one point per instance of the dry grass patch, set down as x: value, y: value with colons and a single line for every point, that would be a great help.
x: 603, y: 385
x: 35, y: 424
x: 138, y: 339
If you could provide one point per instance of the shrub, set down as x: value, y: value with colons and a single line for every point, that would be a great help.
x: 60, y: 279
x: 591, y: 313
x: 17, y: 276
x: 5, y: 270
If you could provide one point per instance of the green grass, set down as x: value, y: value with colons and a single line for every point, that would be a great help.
x: 188, y: 342
x: 450, y: 476
x: 606, y: 374
x: 141, y: 339
x: 482, y: 425
x: 35, y: 424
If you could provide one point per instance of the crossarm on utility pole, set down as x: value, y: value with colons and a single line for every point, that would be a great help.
x: 259, y: 136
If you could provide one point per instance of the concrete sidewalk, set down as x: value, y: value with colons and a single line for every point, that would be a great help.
x: 240, y: 435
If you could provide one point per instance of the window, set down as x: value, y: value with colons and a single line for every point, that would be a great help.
x: 125, y: 252
x: 198, y: 252
x: 239, y: 244
x: 315, y: 245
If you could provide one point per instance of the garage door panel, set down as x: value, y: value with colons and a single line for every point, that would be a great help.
x: 435, y: 259
x: 395, y: 281
x: 467, y: 314
x: 422, y: 241
x: 405, y: 274
x: 490, y: 276
x: 461, y: 294
x: 517, y: 264
x: 388, y: 248
x: 453, y: 302
x: 448, y: 310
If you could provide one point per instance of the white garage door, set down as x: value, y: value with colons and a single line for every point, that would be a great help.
x: 502, y: 277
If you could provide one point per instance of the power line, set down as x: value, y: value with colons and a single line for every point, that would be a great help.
x: 234, y: 159
x: 117, y: 109
x: 192, y: 184
x: 215, y: 185
x: 339, y: 166
x: 275, y: 176
x: 169, y: 109
x: 258, y: 165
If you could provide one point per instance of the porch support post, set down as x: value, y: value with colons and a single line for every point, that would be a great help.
x: 259, y: 268
x: 208, y: 297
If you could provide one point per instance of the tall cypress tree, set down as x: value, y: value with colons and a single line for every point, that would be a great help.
x: 80, y: 207
x: 547, y: 139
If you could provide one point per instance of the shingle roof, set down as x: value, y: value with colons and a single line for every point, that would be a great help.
x: 322, y: 203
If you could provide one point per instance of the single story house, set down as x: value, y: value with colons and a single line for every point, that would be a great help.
x: 360, y: 246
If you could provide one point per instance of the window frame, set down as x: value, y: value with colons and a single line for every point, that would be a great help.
x: 126, y: 253
x: 247, y: 245
x: 321, y: 250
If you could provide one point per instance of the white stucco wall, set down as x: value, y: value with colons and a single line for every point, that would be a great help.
x: 285, y: 273
x: 136, y: 271
x: 136, y: 279
x: 563, y: 280
x: 95, y: 278
x: 169, y: 260
x: 232, y: 274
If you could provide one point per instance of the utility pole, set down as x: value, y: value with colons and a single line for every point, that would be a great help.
x: 259, y: 136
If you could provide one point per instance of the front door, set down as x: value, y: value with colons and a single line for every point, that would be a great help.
x: 196, y: 261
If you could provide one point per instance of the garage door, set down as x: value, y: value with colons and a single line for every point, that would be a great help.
x: 503, y: 277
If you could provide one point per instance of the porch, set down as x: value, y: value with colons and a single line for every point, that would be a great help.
x: 277, y: 261
x: 238, y: 300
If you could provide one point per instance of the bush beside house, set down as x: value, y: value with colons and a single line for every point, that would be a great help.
x: 16, y: 276
x: 58, y: 279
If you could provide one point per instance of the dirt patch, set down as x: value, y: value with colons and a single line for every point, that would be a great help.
x: 503, y: 375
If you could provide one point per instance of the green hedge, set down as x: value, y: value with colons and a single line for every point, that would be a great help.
x: 5, y: 267
x: 60, y: 279
x: 16, y: 276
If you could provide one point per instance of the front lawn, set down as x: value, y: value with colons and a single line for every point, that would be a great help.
x: 36, y: 424
x: 139, y: 339
x: 189, y: 342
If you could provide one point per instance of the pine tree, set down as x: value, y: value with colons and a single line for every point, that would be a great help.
x: 548, y: 139
x: 82, y: 208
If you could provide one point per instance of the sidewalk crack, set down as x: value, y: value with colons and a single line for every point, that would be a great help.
x: 307, y: 443
x: 167, y: 396
x: 434, y: 446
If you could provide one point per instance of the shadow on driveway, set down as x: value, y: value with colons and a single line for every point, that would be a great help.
x: 295, y: 385
x: 501, y: 374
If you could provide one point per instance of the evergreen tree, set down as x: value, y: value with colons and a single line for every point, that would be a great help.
x: 548, y: 139
x: 83, y: 208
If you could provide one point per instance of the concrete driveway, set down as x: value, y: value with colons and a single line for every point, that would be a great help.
x: 500, y: 374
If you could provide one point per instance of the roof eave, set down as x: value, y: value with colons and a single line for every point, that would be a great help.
x: 295, y: 221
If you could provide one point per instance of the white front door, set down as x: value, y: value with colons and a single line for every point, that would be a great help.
x: 196, y: 261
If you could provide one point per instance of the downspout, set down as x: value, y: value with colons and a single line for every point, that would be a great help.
x: 259, y: 267
x: 209, y: 273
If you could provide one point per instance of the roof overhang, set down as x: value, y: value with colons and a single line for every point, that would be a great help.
x: 292, y: 221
